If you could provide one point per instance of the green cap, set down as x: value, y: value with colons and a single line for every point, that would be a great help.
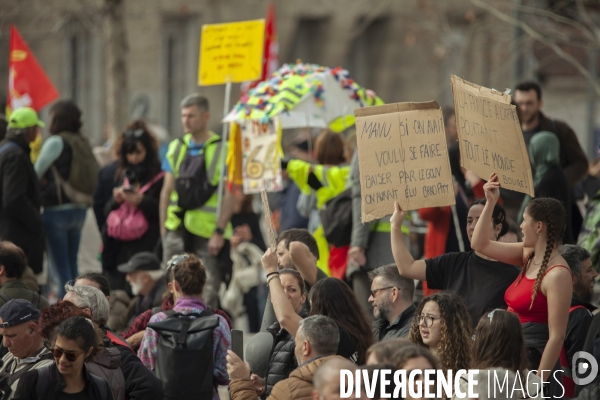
x: 24, y: 117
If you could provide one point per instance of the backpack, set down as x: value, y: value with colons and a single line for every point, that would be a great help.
x: 41, y: 388
x: 184, y: 360
x: 107, y: 365
x: 193, y: 183
x: 83, y: 172
x: 336, y: 218
x: 128, y: 223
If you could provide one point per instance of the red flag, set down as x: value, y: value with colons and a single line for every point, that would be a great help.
x: 28, y: 84
x: 271, y: 55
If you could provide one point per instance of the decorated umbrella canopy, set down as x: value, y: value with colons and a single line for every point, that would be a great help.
x: 305, y: 95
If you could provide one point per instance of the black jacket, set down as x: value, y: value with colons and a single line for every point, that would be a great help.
x: 28, y: 384
x: 578, y: 326
x: 572, y: 158
x: 382, y: 330
x: 20, y: 219
x: 140, y: 382
x: 116, y: 252
x: 104, y: 192
x: 282, y: 361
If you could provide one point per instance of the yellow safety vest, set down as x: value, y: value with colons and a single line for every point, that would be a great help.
x: 201, y: 221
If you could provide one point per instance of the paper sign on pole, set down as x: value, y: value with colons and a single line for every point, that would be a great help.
x: 231, y: 52
x: 490, y: 135
x: 262, y: 164
x: 403, y: 157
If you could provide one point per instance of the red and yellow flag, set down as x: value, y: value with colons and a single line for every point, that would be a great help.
x: 28, y: 84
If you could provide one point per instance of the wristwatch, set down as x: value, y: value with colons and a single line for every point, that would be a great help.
x: 219, y: 231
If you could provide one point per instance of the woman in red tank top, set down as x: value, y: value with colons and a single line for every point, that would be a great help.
x: 541, y: 295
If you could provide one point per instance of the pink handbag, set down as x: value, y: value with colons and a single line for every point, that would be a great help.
x: 128, y: 223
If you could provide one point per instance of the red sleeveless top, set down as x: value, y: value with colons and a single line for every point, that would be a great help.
x: 518, y: 299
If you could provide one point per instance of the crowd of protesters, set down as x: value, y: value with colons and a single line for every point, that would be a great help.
x: 156, y: 323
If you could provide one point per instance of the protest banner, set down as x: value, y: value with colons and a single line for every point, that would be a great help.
x: 261, y: 161
x: 402, y: 157
x: 269, y: 221
x: 490, y: 136
x: 231, y: 52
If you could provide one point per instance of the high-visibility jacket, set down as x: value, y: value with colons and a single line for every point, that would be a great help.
x: 201, y: 221
x: 333, y: 180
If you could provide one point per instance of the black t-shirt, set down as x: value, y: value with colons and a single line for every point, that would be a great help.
x: 479, y: 282
x: 74, y: 396
x: 347, y: 346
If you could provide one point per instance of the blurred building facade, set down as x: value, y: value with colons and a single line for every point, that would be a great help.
x: 404, y: 50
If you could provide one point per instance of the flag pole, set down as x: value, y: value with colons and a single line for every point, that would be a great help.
x: 224, y: 135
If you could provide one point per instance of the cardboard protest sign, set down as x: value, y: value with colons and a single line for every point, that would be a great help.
x: 269, y: 221
x: 261, y: 161
x: 403, y: 157
x: 490, y: 135
x: 231, y: 52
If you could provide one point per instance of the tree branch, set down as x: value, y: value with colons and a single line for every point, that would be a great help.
x: 531, y: 32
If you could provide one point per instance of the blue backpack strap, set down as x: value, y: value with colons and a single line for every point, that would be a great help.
x: 101, y: 385
x: 43, y: 378
x: 8, y: 146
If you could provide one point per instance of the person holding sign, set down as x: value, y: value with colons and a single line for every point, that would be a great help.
x: 480, y: 280
x: 189, y: 198
x: 539, y: 296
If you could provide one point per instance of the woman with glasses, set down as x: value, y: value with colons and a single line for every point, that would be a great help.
x: 499, y: 343
x: 67, y: 171
x: 479, y: 280
x: 132, y: 214
x: 442, y: 324
x: 75, y: 341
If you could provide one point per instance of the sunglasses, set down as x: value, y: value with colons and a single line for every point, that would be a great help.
x: 134, y: 133
x: 70, y: 355
x: 172, y: 264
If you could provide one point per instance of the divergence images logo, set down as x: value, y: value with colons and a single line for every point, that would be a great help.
x: 586, y: 370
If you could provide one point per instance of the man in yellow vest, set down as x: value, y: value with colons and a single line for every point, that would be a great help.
x: 189, y: 197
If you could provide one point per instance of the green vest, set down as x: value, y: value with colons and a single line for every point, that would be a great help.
x: 201, y: 221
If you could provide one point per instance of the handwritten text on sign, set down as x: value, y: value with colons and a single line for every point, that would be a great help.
x: 403, y: 157
x: 231, y: 52
x: 262, y: 165
x: 490, y: 136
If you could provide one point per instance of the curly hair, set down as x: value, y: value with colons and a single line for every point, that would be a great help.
x: 454, y: 347
x: 333, y: 298
x: 552, y: 213
x: 499, y: 343
x: 57, y: 313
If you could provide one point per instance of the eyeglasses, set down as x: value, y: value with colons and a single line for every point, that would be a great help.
x: 428, y: 319
x: 374, y: 292
x: 134, y: 133
x: 70, y: 355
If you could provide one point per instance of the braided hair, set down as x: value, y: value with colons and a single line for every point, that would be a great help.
x: 552, y: 213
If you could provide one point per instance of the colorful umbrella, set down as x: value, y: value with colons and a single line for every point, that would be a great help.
x: 305, y: 95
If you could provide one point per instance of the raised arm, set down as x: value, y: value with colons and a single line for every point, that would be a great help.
x: 407, y: 266
x: 303, y: 260
x: 284, y: 311
x: 510, y: 253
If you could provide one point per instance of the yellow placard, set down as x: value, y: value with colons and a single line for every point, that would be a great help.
x: 231, y: 52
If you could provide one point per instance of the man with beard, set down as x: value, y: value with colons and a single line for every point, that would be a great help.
x: 528, y: 98
x: 580, y: 312
x: 392, y: 301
